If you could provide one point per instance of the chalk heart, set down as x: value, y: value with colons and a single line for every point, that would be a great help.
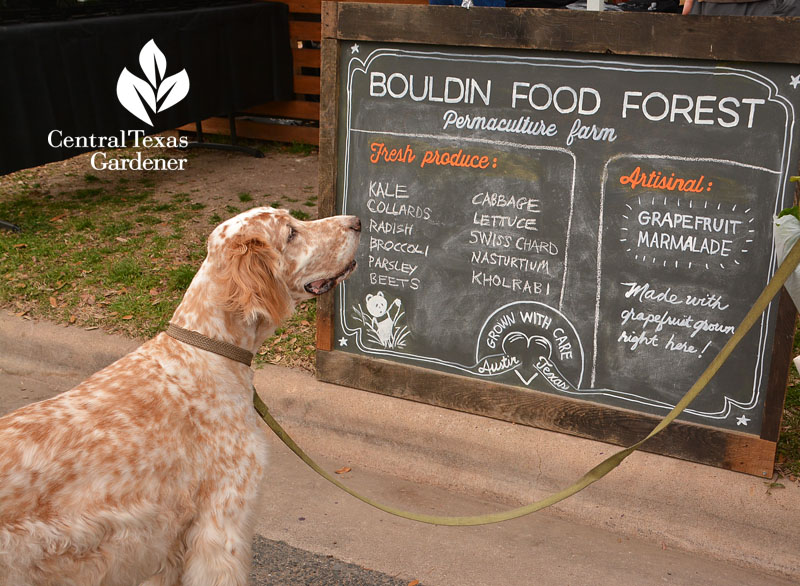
x: 527, y: 350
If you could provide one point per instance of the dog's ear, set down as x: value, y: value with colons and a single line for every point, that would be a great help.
x: 249, y: 280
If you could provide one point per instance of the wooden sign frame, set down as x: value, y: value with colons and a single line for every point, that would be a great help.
x: 643, y: 34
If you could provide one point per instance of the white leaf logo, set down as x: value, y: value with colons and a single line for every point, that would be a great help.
x: 173, y: 90
x: 152, y: 62
x: 133, y: 93
x: 156, y: 92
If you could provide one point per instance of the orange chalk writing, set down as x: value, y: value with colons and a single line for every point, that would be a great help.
x: 657, y: 180
x: 380, y: 152
x: 456, y: 159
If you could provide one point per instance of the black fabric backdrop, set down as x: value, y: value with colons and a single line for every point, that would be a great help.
x: 63, y: 75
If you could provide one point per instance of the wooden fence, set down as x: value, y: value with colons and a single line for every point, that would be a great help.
x: 296, y: 120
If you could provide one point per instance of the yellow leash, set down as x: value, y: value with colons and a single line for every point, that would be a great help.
x: 596, y: 473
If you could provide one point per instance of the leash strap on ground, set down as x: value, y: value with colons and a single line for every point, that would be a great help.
x: 596, y: 473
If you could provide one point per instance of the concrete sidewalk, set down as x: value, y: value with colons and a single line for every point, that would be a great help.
x: 652, y: 520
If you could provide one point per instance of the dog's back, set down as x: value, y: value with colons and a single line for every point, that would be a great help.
x: 151, y: 469
x: 98, y: 483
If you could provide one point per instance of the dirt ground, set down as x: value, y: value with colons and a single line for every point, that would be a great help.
x: 215, y: 178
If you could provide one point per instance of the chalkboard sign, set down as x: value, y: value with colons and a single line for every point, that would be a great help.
x: 573, y: 225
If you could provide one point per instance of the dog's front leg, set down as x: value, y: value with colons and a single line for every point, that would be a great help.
x: 210, y: 561
x: 219, y: 547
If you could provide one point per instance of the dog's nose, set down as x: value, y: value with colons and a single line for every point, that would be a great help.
x: 355, y: 225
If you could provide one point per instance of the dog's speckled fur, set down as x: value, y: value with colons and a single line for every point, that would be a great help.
x: 149, y: 471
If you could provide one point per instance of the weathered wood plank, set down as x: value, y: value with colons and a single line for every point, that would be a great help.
x: 250, y: 129
x: 749, y: 454
x: 328, y: 174
x: 303, y: 6
x: 329, y: 128
x: 296, y: 109
x: 305, y: 57
x: 695, y: 443
x: 300, y: 30
x: 647, y: 34
x: 306, y: 84
x: 330, y: 20
x: 313, y: 6
x: 779, y: 368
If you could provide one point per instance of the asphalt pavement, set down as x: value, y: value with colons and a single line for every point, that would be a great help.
x: 275, y: 563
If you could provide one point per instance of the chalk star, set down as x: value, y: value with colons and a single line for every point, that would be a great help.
x: 743, y: 420
x: 343, y: 341
x: 354, y: 50
x: 795, y: 81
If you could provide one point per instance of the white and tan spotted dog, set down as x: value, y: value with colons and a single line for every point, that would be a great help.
x: 149, y: 471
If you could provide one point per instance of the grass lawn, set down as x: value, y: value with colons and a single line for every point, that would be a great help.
x: 118, y: 253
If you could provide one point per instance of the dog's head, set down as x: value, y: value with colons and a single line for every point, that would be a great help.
x: 266, y: 260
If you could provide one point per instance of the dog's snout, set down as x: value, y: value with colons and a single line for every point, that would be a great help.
x: 355, y: 224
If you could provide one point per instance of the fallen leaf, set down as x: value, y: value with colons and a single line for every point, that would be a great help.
x: 58, y: 217
x: 53, y: 302
x: 72, y: 319
x: 126, y: 317
x: 21, y: 245
x: 344, y: 470
x: 121, y: 239
x: 413, y: 583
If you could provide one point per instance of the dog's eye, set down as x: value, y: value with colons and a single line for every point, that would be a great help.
x: 292, y: 234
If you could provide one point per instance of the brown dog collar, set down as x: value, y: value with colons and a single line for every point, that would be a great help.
x: 198, y: 340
